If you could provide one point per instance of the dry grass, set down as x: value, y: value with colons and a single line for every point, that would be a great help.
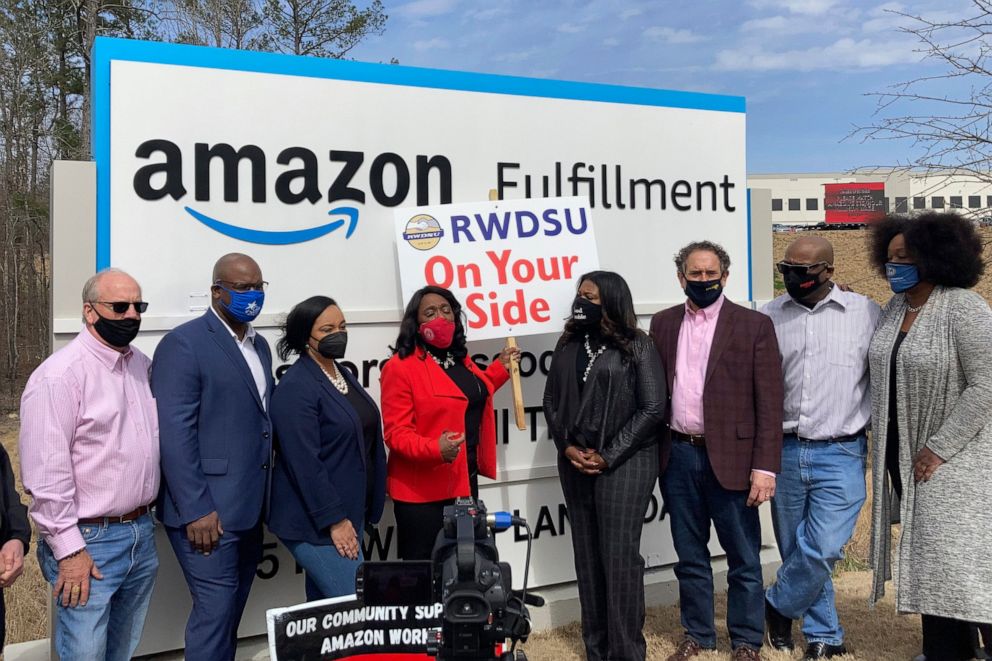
x: 872, y: 635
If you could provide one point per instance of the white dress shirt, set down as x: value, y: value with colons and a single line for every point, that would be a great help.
x: 247, y: 347
x: 825, y: 363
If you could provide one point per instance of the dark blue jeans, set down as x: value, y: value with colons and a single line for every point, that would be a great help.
x: 694, y: 498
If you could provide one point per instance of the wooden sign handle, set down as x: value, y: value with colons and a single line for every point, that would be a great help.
x: 518, y: 390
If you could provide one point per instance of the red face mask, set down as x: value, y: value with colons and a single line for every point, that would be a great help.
x: 438, y: 332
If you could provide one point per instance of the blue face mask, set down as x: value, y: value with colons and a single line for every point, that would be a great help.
x: 902, y: 276
x: 244, y: 305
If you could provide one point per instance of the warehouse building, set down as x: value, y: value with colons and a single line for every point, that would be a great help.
x: 845, y: 198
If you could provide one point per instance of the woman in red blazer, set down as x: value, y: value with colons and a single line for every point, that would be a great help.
x: 438, y: 420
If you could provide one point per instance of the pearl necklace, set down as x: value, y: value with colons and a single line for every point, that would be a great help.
x: 592, y: 358
x: 449, y: 360
x: 916, y: 309
x: 338, y: 381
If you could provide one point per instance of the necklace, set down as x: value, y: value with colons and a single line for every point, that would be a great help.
x: 338, y: 381
x: 916, y: 309
x: 448, y: 361
x: 592, y: 357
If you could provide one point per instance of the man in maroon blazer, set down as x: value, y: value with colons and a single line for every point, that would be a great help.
x: 723, y: 447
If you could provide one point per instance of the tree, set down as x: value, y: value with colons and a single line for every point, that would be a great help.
x: 325, y: 28
x: 221, y: 23
x: 946, y: 117
x: 45, y: 50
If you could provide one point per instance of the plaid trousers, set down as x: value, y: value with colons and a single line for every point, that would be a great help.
x: 606, y: 514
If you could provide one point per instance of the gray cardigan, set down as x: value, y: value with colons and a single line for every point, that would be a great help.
x: 944, y: 390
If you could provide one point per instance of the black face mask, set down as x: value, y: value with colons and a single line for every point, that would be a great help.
x: 802, y: 286
x: 333, y: 345
x: 116, y: 332
x: 705, y: 293
x: 585, y: 313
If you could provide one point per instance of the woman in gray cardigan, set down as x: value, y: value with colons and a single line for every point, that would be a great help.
x: 931, y: 380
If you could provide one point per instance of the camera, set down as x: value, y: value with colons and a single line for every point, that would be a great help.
x: 480, y: 608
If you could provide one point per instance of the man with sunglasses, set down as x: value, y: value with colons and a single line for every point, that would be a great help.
x: 90, y: 461
x: 212, y: 379
x: 823, y: 334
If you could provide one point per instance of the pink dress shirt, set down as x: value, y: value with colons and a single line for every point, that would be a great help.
x: 89, y: 439
x: 691, y: 358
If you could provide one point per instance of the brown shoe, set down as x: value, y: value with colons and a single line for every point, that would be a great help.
x: 745, y: 653
x: 687, y: 649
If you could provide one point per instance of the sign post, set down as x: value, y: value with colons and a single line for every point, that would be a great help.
x: 518, y: 391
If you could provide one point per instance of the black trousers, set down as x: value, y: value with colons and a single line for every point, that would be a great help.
x: 947, y: 639
x: 606, y: 514
x: 417, y: 526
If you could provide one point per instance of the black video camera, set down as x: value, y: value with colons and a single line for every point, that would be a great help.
x: 480, y: 608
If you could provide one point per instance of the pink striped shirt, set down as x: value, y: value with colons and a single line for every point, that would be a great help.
x: 89, y: 438
x: 691, y: 358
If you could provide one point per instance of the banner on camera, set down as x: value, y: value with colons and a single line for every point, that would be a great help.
x: 342, y: 628
x: 513, y: 264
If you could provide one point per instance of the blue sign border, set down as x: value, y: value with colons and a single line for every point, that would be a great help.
x: 107, y: 49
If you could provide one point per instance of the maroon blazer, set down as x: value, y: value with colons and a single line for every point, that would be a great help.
x: 742, y: 394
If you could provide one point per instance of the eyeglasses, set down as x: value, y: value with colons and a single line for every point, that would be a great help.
x: 801, y: 269
x: 244, y: 286
x: 120, y: 307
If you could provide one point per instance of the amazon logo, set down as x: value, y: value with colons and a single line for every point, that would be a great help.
x: 297, y: 181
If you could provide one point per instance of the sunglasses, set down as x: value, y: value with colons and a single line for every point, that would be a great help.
x: 800, y: 269
x: 120, y: 307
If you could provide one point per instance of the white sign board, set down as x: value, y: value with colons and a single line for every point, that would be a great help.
x: 302, y: 162
x: 513, y: 265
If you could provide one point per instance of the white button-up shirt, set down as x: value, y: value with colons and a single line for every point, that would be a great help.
x: 825, y: 362
x: 247, y: 347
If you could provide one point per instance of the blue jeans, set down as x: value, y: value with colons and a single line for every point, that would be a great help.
x: 817, y: 500
x: 108, y: 627
x: 694, y: 497
x: 328, y: 573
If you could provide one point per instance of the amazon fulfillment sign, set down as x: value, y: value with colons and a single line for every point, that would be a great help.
x: 304, y: 163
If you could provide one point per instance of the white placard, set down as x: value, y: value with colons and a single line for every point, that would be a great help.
x: 513, y: 265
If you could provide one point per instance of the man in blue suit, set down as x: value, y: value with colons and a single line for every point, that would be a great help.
x: 212, y: 380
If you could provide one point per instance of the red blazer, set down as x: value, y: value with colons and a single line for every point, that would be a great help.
x: 419, y: 401
x: 742, y: 393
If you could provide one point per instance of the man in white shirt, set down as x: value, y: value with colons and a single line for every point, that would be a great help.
x: 823, y: 335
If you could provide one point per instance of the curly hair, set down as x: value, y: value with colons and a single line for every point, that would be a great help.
x: 618, y: 326
x: 946, y: 247
x: 682, y: 256
x: 409, y: 336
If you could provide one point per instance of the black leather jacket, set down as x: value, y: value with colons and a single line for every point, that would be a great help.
x: 621, y: 408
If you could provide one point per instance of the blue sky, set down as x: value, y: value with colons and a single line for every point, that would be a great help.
x: 805, y: 66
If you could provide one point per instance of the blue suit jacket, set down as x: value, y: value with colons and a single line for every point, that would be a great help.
x: 321, y: 466
x: 214, y: 433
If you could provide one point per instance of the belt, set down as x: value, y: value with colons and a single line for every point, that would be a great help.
x: 836, y: 439
x: 695, y: 440
x: 123, y: 518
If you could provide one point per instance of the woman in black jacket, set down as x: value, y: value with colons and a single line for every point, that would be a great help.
x: 605, y: 404
x: 15, y: 533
